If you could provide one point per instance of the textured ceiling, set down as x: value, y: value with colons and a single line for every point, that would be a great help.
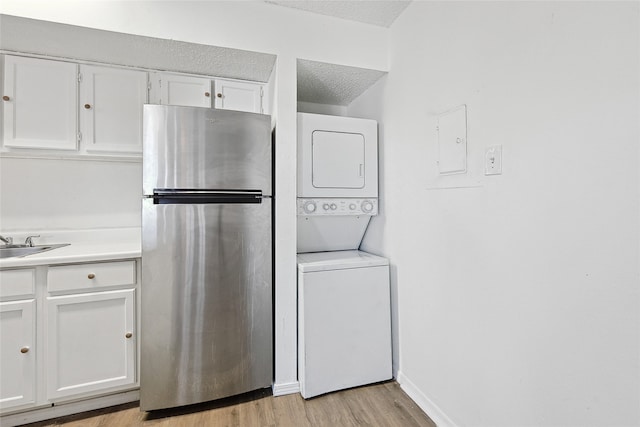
x: 376, y: 12
x: 323, y: 83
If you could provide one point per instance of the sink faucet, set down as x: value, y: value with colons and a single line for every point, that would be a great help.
x: 7, y: 240
x: 29, y: 240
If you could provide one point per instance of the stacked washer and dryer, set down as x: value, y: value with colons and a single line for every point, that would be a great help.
x: 344, y: 312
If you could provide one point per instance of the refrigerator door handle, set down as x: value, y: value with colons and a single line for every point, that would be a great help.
x: 180, y: 196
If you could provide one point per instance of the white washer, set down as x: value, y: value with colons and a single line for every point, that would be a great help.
x: 344, y: 321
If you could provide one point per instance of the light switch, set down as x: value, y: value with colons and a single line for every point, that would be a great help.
x: 493, y: 160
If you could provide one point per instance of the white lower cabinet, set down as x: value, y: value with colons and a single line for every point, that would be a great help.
x: 68, y: 335
x: 17, y: 353
x: 90, y: 342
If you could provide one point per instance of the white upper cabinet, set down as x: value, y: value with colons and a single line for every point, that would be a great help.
x: 96, y: 110
x: 188, y: 91
x: 239, y: 96
x: 40, y: 103
x: 111, y: 101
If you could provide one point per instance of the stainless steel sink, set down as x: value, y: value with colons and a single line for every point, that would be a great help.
x: 8, y: 251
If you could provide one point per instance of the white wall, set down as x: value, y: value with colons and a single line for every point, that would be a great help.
x: 368, y: 106
x: 45, y: 194
x: 518, y: 300
x: 255, y: 26
x: 328, y: 109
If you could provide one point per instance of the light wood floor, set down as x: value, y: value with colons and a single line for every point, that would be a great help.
x: 384, y: 405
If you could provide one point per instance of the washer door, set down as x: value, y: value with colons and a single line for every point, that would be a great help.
x: 344, y: 329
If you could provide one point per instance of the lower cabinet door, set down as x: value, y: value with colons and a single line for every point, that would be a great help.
x: 90, y: 342
x: 17, y: 353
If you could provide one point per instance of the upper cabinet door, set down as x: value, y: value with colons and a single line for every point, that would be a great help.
x: 185, y: 90
x: 239, y: 96
x: 40, y: 103
x: 111, y: 101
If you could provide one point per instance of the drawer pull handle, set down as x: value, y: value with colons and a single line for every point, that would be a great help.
x: 24, y: 350
x: 128, y: 335
x: 6, y: 98
x: 91, y: 276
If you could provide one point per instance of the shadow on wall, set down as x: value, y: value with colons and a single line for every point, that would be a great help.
x: 395, y: 347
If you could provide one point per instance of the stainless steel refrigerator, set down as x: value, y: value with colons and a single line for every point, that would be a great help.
x: 206, y: 294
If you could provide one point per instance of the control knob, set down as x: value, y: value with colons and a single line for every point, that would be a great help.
x: 334, y: 206
x: 310, y: 207
x: 352, y: 206
x: 367, y: 206
x: 326, y: 206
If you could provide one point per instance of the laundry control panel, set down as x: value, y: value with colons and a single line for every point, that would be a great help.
x: 337, y: 206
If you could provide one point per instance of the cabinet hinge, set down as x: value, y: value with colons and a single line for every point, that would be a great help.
x: 79, y: 137
x: 79, y: 77
x: 261, y: 100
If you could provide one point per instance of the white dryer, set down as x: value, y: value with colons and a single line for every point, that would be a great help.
x: 337, y: 156
x: 337, y: 181
x: 344, y: 321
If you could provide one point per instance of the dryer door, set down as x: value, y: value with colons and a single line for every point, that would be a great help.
x: 338, y: 160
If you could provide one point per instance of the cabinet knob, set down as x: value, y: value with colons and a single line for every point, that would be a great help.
x: 128, y: 335
x: 207, y: 94
x: 6, y: 98
x: 219, y: 95
x: 24, y: 350
x: 87, y: 106
x: 91, y: 276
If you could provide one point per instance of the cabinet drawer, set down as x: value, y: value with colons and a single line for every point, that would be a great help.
x: 91, y: 276
x: 15, y: 283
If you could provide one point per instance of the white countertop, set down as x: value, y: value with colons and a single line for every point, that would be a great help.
x: 85, y: 245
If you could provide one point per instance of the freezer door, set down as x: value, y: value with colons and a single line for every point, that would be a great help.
x: 203, y: 148
x: 206, y: 302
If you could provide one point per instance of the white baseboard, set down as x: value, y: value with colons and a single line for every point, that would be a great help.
x: 61, y: 410
x: 431, y: 409
x: 286, y: 388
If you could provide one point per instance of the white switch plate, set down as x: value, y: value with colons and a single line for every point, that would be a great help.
x: 493, y: 160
